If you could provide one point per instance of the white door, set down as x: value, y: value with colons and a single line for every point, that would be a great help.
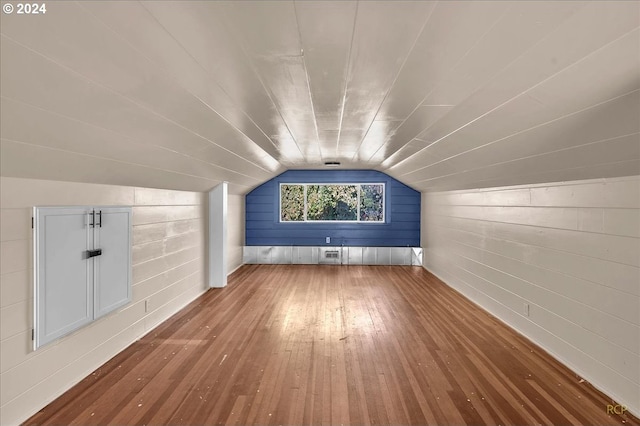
x: 82, y: 266
x: 64, y: 301
x: 113, y: 266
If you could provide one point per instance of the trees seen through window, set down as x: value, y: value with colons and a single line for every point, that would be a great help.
x: 332, y: 202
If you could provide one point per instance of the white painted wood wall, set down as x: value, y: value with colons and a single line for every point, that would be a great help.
x: 218, y: 235
x: 569, y: 250
x: 169, y: 231
x: 235, y: 231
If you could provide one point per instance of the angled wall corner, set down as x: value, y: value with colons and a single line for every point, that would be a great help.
x: 218, y: 200
x: 168, y: 253
x: 558, y: 262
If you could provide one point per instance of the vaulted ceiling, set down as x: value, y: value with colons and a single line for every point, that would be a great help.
x: 440, y: 95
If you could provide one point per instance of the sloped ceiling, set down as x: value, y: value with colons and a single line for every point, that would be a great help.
x: 440, y: 95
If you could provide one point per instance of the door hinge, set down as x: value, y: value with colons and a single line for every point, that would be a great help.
x: 33, y: 334
x: 31, y: 222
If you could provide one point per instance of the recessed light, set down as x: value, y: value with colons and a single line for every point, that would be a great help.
x: 332, y: 163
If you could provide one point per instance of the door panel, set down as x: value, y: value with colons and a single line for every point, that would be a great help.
x: 64, y: 302
x: 113, y: 266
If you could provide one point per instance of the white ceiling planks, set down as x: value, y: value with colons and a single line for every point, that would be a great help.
x: 384, y: 35
x: 37, y: 90
x: 610, y: 158
x: 599, y: 124
x: 83, y: 138
x: 452, y: 31
x: 270, y: 36
x: 544, y: 113
x: 53, y: 164
x: 441, y: 95
x: 608, y: 68
x: 326, y: 32
x: 199, y: 31
x: 518, y: 28
x: 115, y: 87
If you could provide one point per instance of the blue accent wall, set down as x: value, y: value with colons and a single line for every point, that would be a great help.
x: 402, y: 214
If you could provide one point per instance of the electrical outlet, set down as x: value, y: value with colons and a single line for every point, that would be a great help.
x: 327, y: 240
x: 525, y: 309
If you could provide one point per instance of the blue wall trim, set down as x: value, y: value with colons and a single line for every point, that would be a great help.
x: 402, y: 214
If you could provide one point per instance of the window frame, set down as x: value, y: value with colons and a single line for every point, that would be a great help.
x: 357, y: 221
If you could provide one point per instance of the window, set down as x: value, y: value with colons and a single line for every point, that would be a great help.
x: 332, y: 202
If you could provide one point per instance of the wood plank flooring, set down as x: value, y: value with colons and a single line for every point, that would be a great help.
x: 332, y: 345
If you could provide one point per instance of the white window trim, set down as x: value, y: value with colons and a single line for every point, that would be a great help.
x: 358, y: 221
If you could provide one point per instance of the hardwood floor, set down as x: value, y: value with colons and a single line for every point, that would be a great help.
x: 332, y: 345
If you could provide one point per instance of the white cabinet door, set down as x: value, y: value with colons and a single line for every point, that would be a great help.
x: 82, y: 267
x: 113, y: 266
x: 64, y: 301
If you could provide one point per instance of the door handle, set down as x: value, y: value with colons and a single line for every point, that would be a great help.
x: 93, y: 253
